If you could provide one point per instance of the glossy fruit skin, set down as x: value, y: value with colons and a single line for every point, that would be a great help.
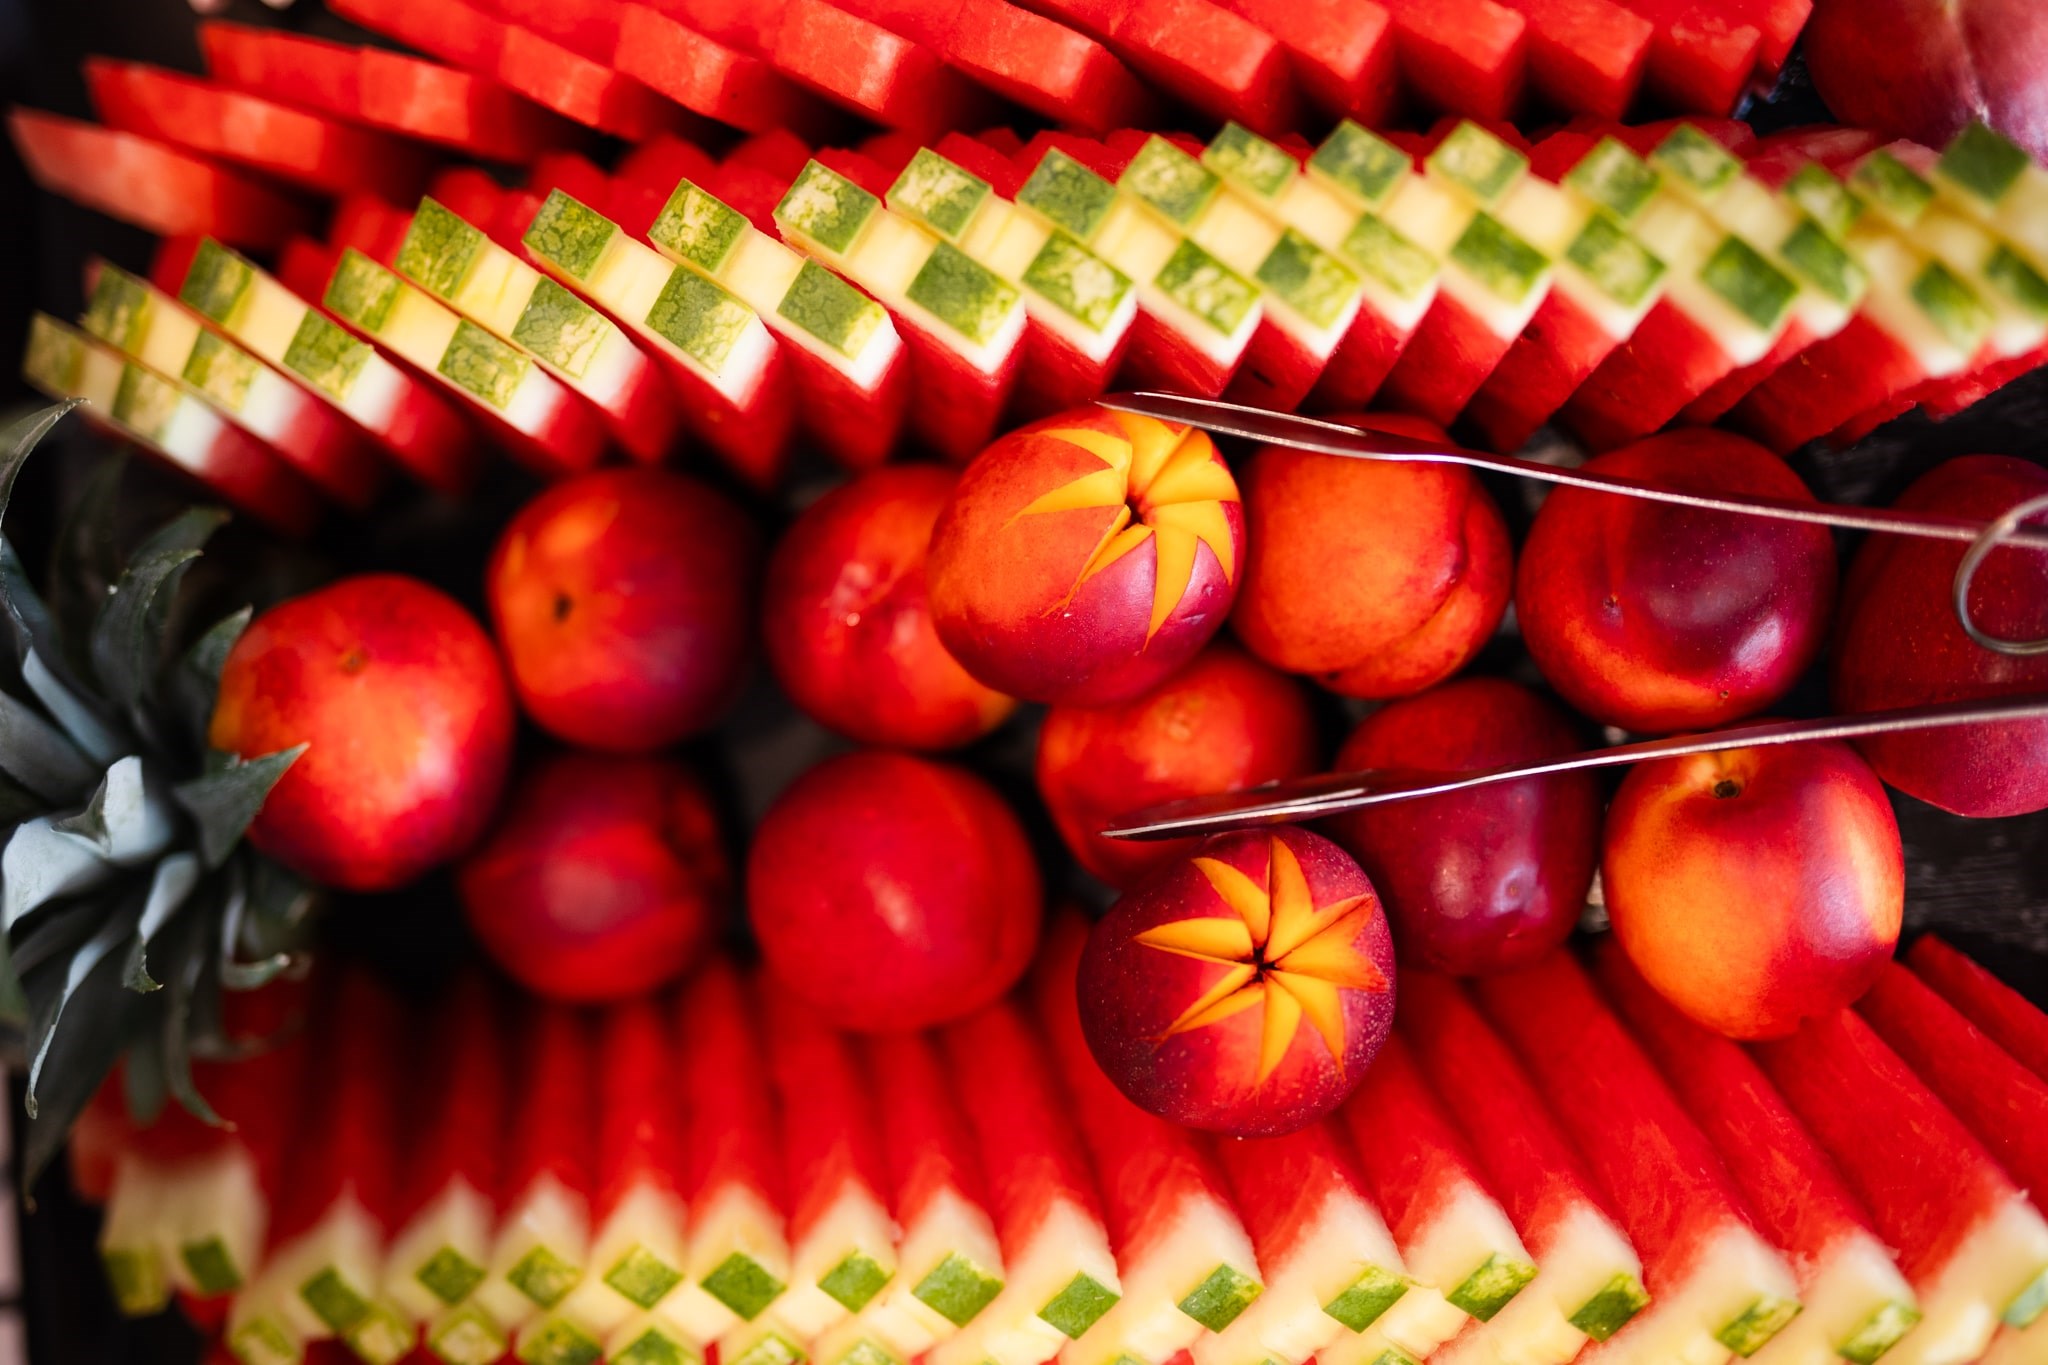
x: 1223, y: 723
x: 1658, y: 618
x: 891, y: 892
x: 847, y: 618
x: 606, y: 877
x: 1755, y: 888
x: 623, y: 600
x: 1012, y: 592
x: 1131, y: 994
x: 1899, y: 643
x: 1485, y: 880
x: 402, y: 702
x: 1922, y: 69
x: 1378, y: 579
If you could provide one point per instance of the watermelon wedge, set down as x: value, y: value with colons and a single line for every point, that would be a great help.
x: 151, y: 326
x: 131, y: 1244
x: 456, y: 263
x: 1988, y: 176
x: 546, y: 424
x: 1046, y: 67
x: 1701, y: 55
x: 2005, y: 1016
x: 709, y: 78
x: 183, y: 431
x: 1969, y: 1241
x: 581, y: 89
x: 1327, y: 1258
x: 1466, y: 57
x: 449, y: 29
x: 1342, y: 51
x: 1196, y: 51
x: 845, y: 357
x: 1717, y: 1288
x: 1589, y: 1279
x: 419, y: 428
x: 1059, y: 1274
x: 728, y: 373
x: 290, y: 68
x: 377, y: 228
x: 1587, y: 56
x: 1185, y: 1261
x: 141, y: 181
x: 1455, y: 1240
x: 307, y: 149
x: 881, y: 75
x: 739, y: 1255
x: 1858, y: 1305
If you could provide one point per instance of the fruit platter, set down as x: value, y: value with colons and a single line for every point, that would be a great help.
x: 1116, y: 682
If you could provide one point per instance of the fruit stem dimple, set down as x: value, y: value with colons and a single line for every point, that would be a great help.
x: 1727, y: 787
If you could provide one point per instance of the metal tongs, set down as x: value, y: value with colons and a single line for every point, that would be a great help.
x: 1335, y: 793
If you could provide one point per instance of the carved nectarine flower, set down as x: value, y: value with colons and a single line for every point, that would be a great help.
x: 1167, y: 486
x: 1283, y: 953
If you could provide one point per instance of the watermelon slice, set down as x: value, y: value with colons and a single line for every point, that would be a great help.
x: 150, y: 325
x: 1185, y: 1261
x: 304, y: 266
x: 739, y: 1256
x: 1059, y: 1274
x: 1857, y: 1303
x: 1587, y: 56
x: 131, y: 1245
x: 1196, y: 51
x: 449, y: 29
x: 1342, y: 51
x: 377, y: 228
x: 845, y: 356
x: 1966, y: 1238
x: 878, y: 74
x: 724, y: 360
x: 157, y: 414
x: 290, y: 68
x: 1454, y: 1238
x: 636, y: 1248
x: 422, y: 432
x: 1701, y: 56
x: 456, y: 263
x: 544, y: 422
x: 962, y: 322
x: 1046, y: 67
x: 1465, y: 57
x: 1717, y: 1287
x: 1327, y: 1258
x: 2005, y: 1016
x: 707, y: 77
x: 306, y: 149
x: 573, y: 85
x: 1589, y: 1280
x: 141, y: 181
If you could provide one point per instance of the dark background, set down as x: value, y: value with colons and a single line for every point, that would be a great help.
x: 1984, y: 884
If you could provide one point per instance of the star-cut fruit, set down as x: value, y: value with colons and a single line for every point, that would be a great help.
x: 1085, y: 558
x: 1245, y: 989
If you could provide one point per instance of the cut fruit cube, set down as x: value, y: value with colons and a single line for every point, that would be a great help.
x: 1587, y: 56
x: 1987, y: 175
x: 709, y: 78
x: 1965, y: 1236
x: 1701, y: 57
x: 1342, y: 51
x: 725, y: 362
x: 1717, y: 1287
x: 1327, y: 1259
x: 143, y: 182
x: 178, y: 428
x: 739, y: 1257
x: 1455, y: 1239
x: 1046, y: 67
x: 950, y: 1263
x: 145, y: 322
x: 1589, y: 1281
x: 1197, y: 316
x: 306, y: 149
x: 441, y: 1244
x: 1185, y: 1260
x: 422, y: 432
x: 863, y: 66
x: 2005, y: 1016
x: 554, y: 430
x: 842, y: 1242
x: 131, y: 1250
x: 845, y: 356
x: 1060, y: 1276
x: 541, y: 1247
x: 1857, y: 1304
x: 1466, y: 57
x: 456, y: 263
x: 1470, y: 161
x: 962, y: 322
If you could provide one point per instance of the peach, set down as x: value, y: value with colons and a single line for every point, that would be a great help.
x: 1483, y: 880
x: 1659, y: 618
x: 399, y: 698
x: 848, y: 622
x: 890, y: 892
x: 624, y: 603
x: 1244, y: 990
x: 1378, y: 578
x: 1899, y: 644
x: 1085, y: 558
x: 1755, y: 888
x: 605, y: 878
x: 1223, y: 723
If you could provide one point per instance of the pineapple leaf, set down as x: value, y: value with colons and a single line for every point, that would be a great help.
x: 176, y: 878
x: 86, y: 559
x: 72, y: 712
x: 177, y: 1030
x: 143, y: 1085
x: 46, y: 1012
x: 17, y: 803
x: 13, y: 1000
x: 127, y: 644
x: 125, y: 819
x: 98, y: 1026
x: 41, y: 863
x: 235, y: 973
x: 37, y: 755
x: 223, y: 802
x: 195, y: 682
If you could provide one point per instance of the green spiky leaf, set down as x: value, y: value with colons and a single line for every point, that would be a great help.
x: 224, y: 801
x: 127, y: 637
x: 37, y: 755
